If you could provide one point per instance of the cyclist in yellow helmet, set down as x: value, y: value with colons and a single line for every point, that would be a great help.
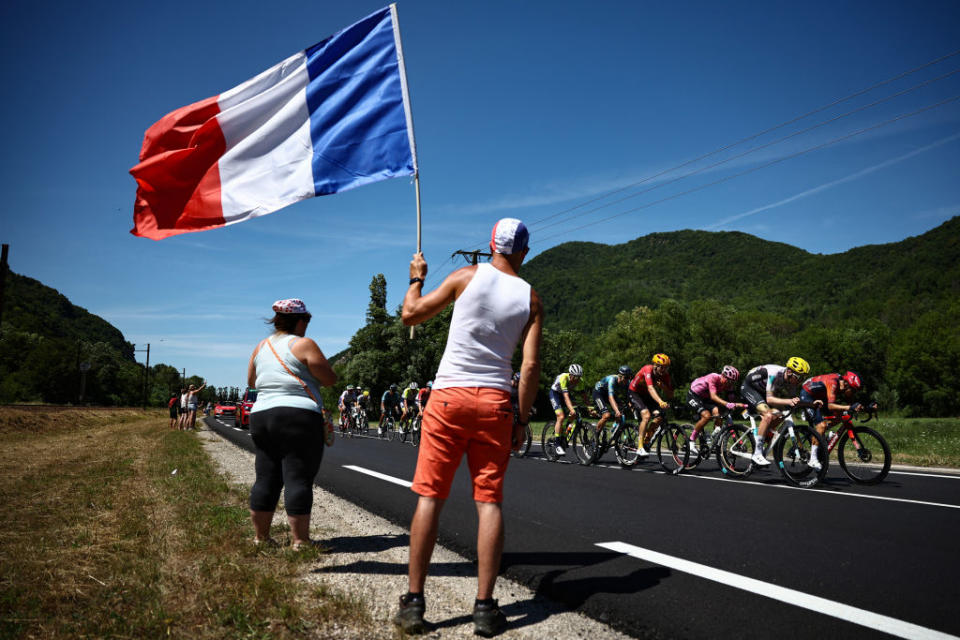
x: 768, y: 388
x: 644, y: 392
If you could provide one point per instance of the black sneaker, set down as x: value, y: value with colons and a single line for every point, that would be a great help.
x: 410, y: 616
x: 488, y: 620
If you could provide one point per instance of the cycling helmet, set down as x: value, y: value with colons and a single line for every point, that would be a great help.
x: 730, y: 373
x: 661, y: 359
x: 366, y: 393
x: 430, y: 383
x: 852, y: 379
x: 413, y: 385
x: 349, y: 387
x: 624, y: 370
x: 575, y: 370
x: 798, y: 365
x: 393, y: 387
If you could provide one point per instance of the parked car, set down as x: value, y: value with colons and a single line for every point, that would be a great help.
x: 224, y: 408
x: 241, y: 418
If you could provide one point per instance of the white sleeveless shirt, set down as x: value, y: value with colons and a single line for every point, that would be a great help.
x: 487, y: 323
x: 276, y: 387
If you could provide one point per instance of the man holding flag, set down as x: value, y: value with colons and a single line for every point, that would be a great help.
x: 470, y: 412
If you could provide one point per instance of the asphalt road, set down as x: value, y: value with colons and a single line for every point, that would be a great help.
x: 697, y: 555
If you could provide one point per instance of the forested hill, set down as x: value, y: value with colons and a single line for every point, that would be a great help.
x: 584, y: 285
x: 32, y: 307
x: 45, y: 339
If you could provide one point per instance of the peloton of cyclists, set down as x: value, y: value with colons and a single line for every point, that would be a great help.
x: 644, y: 393
x: 826, y: 390
x: 767, y: 388
x: 389, y: 406
x: 606, y: 391
x: 706, y: 399
x: 560, y: 400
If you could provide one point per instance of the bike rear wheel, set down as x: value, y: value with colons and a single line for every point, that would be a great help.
x: 415, y: 432
x: 626, y: 445
x: 387, y: 431
x: 734, y: 451
x: 792, y: 455
x: 524, y: 444
x: 673, y: 448
x: 548, y: 442
x: 702, y: 449
x: 866, y: 457
x: 585, y: 443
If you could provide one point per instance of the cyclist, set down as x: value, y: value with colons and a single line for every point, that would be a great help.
x: 409, y: 404
x: 423, y: 396
x: 767, y: 388
x: 605, y: 392
x: 644, y: 395
x: 347, y: 399
x: 389, y: 406
x: 824, y: 391
x: 705, y: 397
x: 560, y: 399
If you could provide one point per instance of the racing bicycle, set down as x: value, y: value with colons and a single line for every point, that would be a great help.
x: 791, y: 444
x: 862, y: 452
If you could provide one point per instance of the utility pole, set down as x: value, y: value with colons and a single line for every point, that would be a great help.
x: 3, y: 277
x: 146, y: 372
x: 473, y: 255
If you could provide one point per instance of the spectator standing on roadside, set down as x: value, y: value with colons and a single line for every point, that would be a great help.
x: 470, y: 411
x: 174, y: 405
x: 287, y: 422
x: 192, y: 392
x: 182, y: 420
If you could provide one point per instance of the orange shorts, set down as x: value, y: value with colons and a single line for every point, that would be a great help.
x: 477, y: 421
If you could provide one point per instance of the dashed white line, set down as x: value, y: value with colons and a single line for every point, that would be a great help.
x: 377, y: 474
x: 862, y: 617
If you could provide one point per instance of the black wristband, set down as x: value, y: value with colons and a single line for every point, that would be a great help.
x: 412, y: 280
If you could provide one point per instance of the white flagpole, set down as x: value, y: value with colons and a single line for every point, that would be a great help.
x: 409, y: 113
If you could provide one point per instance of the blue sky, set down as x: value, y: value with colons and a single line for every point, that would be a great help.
x: 524, y: 109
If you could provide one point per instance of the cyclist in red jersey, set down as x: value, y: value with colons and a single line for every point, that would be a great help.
x: 826, y: 390
x: 644, y: 394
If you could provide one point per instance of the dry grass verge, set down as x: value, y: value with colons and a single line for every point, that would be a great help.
x: 103, y: 540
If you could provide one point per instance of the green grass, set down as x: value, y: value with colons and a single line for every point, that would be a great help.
x: 104, y: 541
x: 929, y: 442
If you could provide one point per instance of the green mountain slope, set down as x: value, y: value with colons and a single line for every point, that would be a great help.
x: 584, y: 285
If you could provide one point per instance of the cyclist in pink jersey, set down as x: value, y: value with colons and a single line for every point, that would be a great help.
x: 711, y: 393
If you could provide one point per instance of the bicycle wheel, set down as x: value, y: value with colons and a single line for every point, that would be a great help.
x: 734, y: 451
x: 525, y: 444
x: 548, y: 442
x: 700, y: 449
x: 403, y: 430
x: 415, y: 434
x: 673, y: 448
x: 584, y: 441
x: 865, y: 458
x: 626, y: 445
x: 387, y: 431
x: 792, y: 456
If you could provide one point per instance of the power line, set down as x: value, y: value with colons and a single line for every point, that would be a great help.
x: 757, y: 168
x: 753, y: 136
x: 755, y: 149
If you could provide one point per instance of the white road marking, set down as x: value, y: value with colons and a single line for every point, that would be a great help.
x: 377, y: 474
x: 926, y: 475
x: 844, y: 612
x: 824, y: 491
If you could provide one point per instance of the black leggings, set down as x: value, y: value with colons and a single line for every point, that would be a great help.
x: 289, y: 447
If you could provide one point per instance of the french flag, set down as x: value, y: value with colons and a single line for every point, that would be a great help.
x: 327, y: 119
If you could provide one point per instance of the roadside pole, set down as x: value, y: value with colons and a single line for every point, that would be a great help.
x: 3, y: 279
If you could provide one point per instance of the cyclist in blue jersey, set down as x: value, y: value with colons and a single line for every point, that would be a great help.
x: 605, y: 394
x: 389, y: 405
